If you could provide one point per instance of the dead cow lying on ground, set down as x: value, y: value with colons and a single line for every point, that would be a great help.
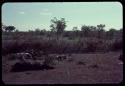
x: 26, y: 62
x: 24, y: 57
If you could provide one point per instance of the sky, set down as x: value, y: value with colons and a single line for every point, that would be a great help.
x: 32, y: 15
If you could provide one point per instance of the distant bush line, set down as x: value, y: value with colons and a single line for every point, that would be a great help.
x: 20, y: 41
x: 58, y: 40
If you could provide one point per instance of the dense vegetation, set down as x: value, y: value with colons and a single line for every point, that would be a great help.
x: 58, y: 40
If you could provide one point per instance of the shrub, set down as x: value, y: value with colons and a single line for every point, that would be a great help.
x: 116, y: 45
x: 11, y: 57
x: 91, y: 46
x: 70, y: 60
x: 48, y: 60
x: 63, y: 45
x: 81, y: 63
x: 94, y: 66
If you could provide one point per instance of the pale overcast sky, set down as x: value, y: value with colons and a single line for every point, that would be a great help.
x: 25, y: 16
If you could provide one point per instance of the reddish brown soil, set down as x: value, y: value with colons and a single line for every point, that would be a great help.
x: 97, y: 68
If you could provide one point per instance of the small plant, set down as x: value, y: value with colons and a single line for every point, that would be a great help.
x: 81, y: 63
x: 48, y: 60
x: 121, y: 57
x: 116, y: 45
x: 94, y: 66
x: 70, y: 59
x: 69, y: 54
x: 11, y: 57
x: 27, y: 73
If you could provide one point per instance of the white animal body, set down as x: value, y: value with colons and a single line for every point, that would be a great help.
x: 23, y: 56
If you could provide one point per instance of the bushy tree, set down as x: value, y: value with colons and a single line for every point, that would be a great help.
x: 75, y: 31
x: 16, y: 30
x: 3, y: 27
x: 101, y: 30
x: 43, y: 32
x: 85, y: 30
x: 37, y: 31
x: 9, y: 28
x: 111, y: 33
x: 58, y: 25
x: 93, y: 30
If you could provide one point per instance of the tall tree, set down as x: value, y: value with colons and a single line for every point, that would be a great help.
x: 93, y: 30
x: 101, y: 26
x: 100, y: 30
x: 58, y: 26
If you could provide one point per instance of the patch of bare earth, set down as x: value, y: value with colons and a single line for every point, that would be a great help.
x: 93, y: 69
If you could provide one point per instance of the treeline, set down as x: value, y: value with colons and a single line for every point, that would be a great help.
x: 58, y: 40
x: 58, y: 29
x: 86, y: 31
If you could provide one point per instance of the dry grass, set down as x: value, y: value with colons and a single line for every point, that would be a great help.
x: 90, y: 63
x: 99, y: 68
x: 62, y: 45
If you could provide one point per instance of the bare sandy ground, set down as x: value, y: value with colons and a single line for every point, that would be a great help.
x: 99, y: 68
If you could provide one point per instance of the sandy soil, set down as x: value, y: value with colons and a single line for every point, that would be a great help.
x: 107, y: 70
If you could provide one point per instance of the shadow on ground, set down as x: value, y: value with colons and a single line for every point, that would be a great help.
x: 19, y: 67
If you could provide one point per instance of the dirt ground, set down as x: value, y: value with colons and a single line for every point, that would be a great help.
x: 94, y: 68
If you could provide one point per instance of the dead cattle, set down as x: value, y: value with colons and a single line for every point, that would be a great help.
x: 23, y: 56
